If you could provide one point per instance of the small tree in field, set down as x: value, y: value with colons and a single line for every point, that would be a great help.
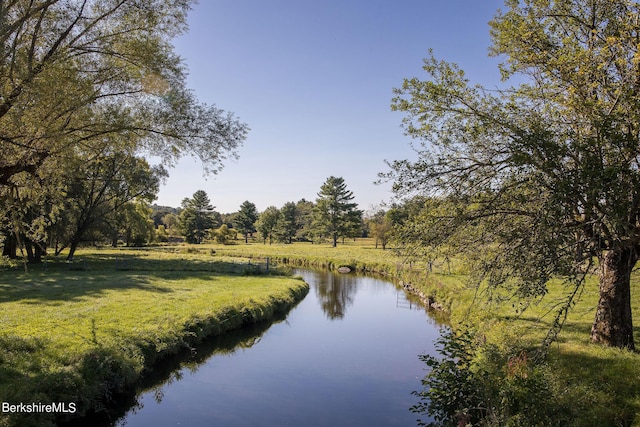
x: 197, y: 217
x: 289, y: 223
x: 223, y: 234
x: 380, y: 228
x: 246, y: 219
x: 267, y: 223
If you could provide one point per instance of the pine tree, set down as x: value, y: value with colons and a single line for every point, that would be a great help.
x: 335, y: 213
x: 196, y: 217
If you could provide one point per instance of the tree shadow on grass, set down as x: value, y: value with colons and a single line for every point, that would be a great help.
x: 34, y: 288
x: 600, y: 386
x: 94, y: 274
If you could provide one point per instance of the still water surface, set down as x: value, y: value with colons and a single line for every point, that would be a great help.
x: 345, y: 356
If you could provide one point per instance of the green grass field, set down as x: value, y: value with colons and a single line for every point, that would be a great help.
x: 72, y: 331
x: 78, y: 333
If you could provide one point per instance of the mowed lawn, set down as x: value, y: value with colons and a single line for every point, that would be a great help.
x: 70, y: 332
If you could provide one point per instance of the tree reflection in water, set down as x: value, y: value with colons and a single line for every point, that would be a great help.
x: 335, y: 293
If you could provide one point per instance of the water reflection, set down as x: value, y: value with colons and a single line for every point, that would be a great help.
x: 338, y: 360
x: 336, y: 293
x: 172, y: 370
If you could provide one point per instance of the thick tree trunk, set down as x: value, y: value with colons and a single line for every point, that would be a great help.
x: 613, y: 325
x: 10, y: 248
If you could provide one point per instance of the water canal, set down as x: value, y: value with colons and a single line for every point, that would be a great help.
x: 345, y: 356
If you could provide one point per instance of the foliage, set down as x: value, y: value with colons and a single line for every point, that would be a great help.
x: 380, y: 228
x: 304, y: 209
x: 161, y: 234
x: 246, y: 219
x: 223, y: 234
x: 197, y: 217
x: 334, y: 214
x: 536, y: 181
x: 268, y: 222
x: 289, y: 222
x: 84, y: 82
x: 136, y: 224
x: 171, y: 222
x: 472, y: 384
x: 102, y: 197
x: 159, y: 212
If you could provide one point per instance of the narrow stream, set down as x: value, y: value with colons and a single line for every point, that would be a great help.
x: 345, y: 356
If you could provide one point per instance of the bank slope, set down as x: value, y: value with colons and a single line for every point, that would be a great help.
x: 83, y: 337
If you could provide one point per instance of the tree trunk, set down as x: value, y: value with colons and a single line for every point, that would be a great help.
x: 10, y: 248
x: 34, y: 251
x: 72, y: 250
x: 613, y: 324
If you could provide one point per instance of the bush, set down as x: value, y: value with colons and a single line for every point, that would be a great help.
x: 474, y: 383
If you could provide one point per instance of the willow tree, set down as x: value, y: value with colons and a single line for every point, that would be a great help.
x: 544, y: 177
x: 86, y: 78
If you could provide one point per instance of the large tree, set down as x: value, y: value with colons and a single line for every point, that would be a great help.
x: 544, y: 176
x: 335, y: 214
x: 96, y: 195
x: 74, y: 71
x: 83, y: 79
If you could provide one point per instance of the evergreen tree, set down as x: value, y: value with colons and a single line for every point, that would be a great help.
x: 289, y: 223
x: 197, y: 217
x: 335, y: 214
x: 246, y: 219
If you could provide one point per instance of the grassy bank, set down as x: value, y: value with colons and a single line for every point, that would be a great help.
x: 83, y: 333
x: 588, y: 384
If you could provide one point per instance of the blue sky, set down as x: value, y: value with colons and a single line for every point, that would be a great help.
x: 313, y: 80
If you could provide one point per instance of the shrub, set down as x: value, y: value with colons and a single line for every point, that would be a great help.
x: 474, y: 383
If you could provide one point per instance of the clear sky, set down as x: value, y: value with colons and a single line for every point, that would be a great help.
x: 313, y: 79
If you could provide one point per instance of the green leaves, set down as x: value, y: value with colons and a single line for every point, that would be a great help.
x: 197, y: 217
x: 84, y: 81
x: 536, y: 180
x: 334, y: 214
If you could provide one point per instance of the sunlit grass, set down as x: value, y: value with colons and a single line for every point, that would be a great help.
x: 72, y: 332
x: 131, y: 303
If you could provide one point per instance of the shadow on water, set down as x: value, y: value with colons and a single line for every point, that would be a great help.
x: 171, y: 369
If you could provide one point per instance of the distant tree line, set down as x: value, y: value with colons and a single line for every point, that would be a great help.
x: 332, y: 216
